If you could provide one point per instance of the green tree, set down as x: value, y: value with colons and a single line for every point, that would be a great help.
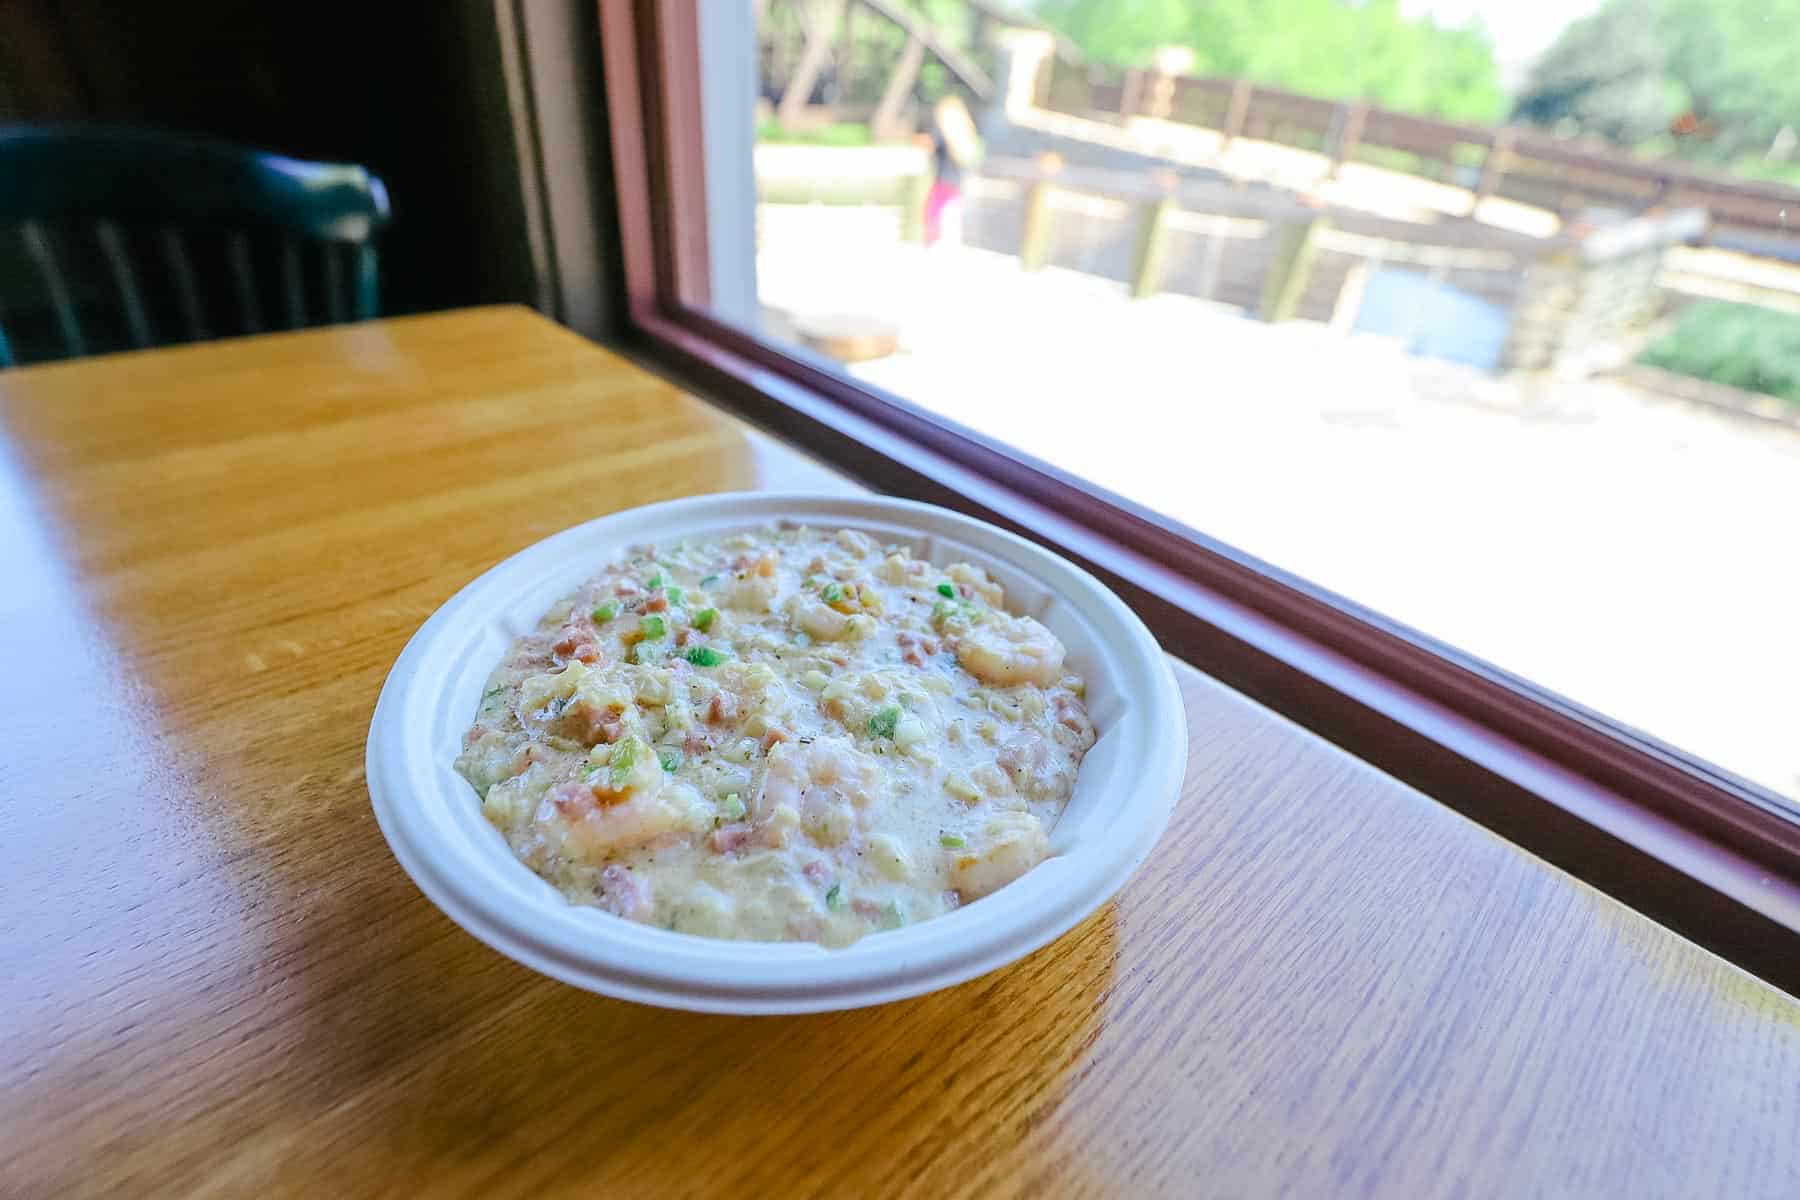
x: 1368, y: 51
x: 1606, y: 74
x: 1710, y: 80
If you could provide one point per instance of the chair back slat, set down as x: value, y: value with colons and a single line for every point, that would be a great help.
x: 112, y: 245
x: 368, y: 282
x: 292, y: 284
x: 187, y: 292
x: 136, y: 238
x: 334, y: 283
x: 243, y: 276
x: 43, y: 256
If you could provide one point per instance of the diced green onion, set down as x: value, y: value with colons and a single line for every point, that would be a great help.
x: 732, y: 806
x: 883, y: 722
x: 947, y: 589
x: 706, y: 656
x: 652, y: 627
x: 834, y: 899
x: 704, y: 618
x: 892, y: 917
x: 605, y: 612
x: 624, y: 757
x: 655, y: 581
x: 675, y: 594
x: 669, y: 757
x: 950, y: 841
x: 831, y: 593
x: 709, y: 580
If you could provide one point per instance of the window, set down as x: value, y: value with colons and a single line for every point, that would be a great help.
x: 1410, y: 390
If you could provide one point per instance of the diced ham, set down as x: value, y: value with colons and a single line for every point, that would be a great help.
x: 1070, y: 714
x: 657, y: 603
x: 1022, y: 755
x: 775, y: 734
x: 914, y: 650
x: 696, y: 743
x: 730, y: 837
x: 724, y: 707
x: 817, y: 871
x: 574, y: 800
x: 590, y: 724
x: 576, y: 641
x: 623, y: 894
x: 533, y: 652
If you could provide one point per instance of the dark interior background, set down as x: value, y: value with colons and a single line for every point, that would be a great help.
x: 416, y: 92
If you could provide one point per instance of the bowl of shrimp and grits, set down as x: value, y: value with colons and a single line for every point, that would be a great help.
x: 770, y: 753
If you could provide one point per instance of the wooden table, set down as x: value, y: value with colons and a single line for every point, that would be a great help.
x: 215, y: 980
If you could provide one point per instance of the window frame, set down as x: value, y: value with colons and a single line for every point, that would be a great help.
x: 1712, y: 856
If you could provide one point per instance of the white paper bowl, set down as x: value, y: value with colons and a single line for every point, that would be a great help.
x: 432, y: 819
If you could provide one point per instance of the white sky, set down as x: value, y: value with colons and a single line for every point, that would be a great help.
x: 1521, y: 29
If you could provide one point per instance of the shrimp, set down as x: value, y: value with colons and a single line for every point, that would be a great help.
x: 824, y: 781
x: 596, y: 830
x: 1007, y: 651
x: 1008, y: 846
x: 753, y: 590
x: 629, y: 802
x: 823, y: 622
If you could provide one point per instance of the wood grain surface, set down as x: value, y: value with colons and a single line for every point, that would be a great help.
x: 215, y: 980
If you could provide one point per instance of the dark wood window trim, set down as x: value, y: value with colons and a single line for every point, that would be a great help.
x: 1713, y: 856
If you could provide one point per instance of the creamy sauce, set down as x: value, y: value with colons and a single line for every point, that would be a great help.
x: 790, y: 734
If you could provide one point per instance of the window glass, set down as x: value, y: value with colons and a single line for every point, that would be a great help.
x: 1484, y: 315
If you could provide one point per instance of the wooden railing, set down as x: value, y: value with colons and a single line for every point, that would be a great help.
x: 1567, y: 294
x: 1512, y: 162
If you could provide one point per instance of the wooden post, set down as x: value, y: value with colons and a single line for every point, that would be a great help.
x: 1130, y: 92
x: 824, y: 14
x: 1242, y: 90
x: 1162, y: 97
x: 1165, y: 64
x: 1348, y: 121
x: 1152, y: 250
x: 1492, y: 167
x: 845, y: 57
x: 1214, y: 260
x: 886, y: 121
x: 1034, y: 240
x: 1295, y: 246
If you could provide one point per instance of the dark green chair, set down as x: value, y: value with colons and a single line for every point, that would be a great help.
x: 114, y: 238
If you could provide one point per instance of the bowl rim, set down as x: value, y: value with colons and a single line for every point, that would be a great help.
x: 415, y: 795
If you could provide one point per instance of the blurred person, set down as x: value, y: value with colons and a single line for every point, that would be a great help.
x: 955, y: 150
